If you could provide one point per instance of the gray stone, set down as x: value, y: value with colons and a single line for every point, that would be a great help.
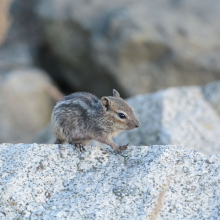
x: 25, y: 104
x: 212, y: 95
x: 136, y: 47
x: 180, y: 116
x: 59, y: 182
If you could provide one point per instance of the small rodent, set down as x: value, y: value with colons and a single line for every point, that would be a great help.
x: 81, y: 117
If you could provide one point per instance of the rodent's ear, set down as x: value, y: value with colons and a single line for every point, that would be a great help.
x: 116, y: 93
x: 105, y: 103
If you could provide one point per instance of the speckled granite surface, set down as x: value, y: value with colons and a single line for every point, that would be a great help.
x: 59, y: 182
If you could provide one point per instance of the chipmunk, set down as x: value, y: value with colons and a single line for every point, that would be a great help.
x: 81, y: 117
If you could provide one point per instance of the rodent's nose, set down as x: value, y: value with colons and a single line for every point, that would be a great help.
x: 137, y: 124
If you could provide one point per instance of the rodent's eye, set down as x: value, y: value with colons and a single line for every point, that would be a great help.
x: 121, y: 115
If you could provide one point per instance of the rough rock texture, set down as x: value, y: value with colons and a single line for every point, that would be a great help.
x: 158, y: 182
x: 180, y: 116
x: 25, y: 104
x: 135, y: 46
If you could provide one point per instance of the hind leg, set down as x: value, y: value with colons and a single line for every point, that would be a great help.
x: 78, y: 145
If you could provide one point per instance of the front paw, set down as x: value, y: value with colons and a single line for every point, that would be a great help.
x: 123, y: 147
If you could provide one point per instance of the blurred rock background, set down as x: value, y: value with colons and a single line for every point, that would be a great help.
x: 58, y: 47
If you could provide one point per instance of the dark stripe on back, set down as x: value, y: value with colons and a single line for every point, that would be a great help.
x: 80, y: 94
x: 87, y: 98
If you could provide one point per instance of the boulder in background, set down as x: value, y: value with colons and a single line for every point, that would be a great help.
x: 134, y: 47
x: 25, y: 104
